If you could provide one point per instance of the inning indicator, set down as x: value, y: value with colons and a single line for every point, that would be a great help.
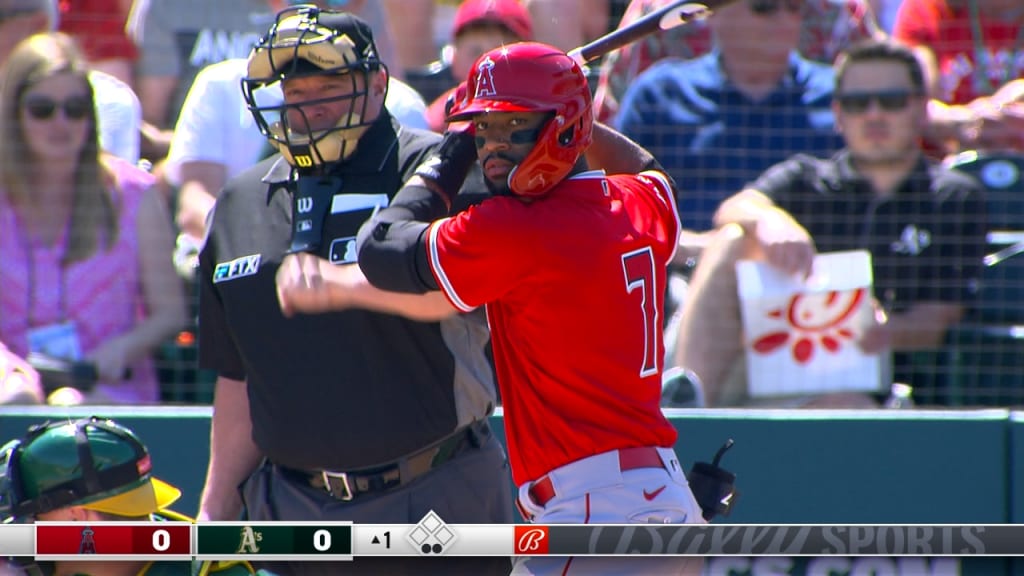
x: 294, y: 541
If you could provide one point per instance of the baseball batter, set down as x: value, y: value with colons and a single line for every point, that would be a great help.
x: 570, y: 264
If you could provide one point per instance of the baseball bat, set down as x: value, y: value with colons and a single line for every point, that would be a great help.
x: 666, y: 18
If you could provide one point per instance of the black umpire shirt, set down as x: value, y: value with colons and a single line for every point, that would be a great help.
x: 926, y: 241
x: 340, y: 390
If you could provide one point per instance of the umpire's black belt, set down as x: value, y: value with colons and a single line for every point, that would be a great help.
x: 351, y: 483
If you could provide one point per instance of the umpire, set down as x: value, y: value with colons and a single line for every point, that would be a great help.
x: 356, y: 415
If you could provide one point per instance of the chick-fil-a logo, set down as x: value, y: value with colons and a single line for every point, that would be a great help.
x: 816, y: 317
x: 531, y: 540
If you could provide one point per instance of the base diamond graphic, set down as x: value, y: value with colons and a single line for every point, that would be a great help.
x: 431, y: 536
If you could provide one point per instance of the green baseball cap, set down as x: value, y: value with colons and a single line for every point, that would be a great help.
x: 93, y: 463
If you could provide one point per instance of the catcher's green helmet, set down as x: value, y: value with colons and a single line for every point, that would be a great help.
x: 94, y: 463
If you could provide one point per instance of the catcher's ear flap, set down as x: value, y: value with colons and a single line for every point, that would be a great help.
x: 713, y: 487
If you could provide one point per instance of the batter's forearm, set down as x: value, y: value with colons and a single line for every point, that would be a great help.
x: 233, y: 454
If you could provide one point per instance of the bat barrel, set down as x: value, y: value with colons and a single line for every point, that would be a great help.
x: 665, y: 18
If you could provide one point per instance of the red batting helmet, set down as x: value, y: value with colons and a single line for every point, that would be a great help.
x: 534, y: 77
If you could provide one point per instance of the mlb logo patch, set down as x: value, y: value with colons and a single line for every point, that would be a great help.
x: 343, y: 250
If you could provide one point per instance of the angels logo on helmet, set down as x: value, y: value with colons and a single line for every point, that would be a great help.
x: 485, y: 79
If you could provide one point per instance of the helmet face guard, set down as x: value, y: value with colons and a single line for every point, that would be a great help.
x: 304, y: 41
x: 88, y: 477
x: 534, y: 77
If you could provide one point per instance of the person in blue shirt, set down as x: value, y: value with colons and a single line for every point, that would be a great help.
x: 717, y: 121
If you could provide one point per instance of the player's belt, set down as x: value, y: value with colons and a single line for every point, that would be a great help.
x: 349, y: 484
x: 543, y: 490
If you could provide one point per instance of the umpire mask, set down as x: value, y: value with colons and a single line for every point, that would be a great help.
x: 306, y: 41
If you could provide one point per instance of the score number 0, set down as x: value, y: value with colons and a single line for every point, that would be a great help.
x: 161, y: 540
x: 322, y: 540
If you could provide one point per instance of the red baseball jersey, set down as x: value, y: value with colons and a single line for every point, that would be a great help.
x: 574, y: 287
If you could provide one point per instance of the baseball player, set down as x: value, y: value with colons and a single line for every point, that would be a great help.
x: 570, y: 264
x: 90, y: 470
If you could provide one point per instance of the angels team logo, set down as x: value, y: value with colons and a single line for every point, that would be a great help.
x: 813, y: 317
x: 485, y: 79
x: 88, y: 543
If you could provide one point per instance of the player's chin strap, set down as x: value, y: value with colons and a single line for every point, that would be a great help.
x: 713, y: 486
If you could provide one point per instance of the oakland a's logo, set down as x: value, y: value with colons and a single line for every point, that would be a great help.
x: 485, y: 79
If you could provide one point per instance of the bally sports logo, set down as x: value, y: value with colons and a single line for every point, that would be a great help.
x: 531, y: 540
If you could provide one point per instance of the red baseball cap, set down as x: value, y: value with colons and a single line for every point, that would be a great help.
x: 508, y: 13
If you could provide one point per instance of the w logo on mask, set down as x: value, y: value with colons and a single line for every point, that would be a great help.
x: 485, y: 79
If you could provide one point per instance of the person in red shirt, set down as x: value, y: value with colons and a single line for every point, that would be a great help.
x: 973, y: 51
x: 479, y: 26
x: 99, y: 25
x: 571, y: 266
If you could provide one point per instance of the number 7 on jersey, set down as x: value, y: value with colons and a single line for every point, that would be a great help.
x: 638, y: 268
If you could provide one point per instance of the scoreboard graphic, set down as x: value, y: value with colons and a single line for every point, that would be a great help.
x: 432, y: 537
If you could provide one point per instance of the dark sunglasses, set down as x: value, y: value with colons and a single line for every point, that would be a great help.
x: 768, y: 7
x: 888, y: 100
x: 43, y: 108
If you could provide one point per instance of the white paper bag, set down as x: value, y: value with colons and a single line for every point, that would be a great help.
x: 800, y: 336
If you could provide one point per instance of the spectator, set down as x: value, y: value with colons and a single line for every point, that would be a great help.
x: 717, y: 121
x: 567, y: 24
x: 99, y: 27
x: 479, y: 26
x: 84, y: 238
x: 828, y: 27
x: 923, y: 224
x: 117, y: 108
x: 412, y: 23
x: 973, y: 51
x: 92, y: 471
x: 177, y: 38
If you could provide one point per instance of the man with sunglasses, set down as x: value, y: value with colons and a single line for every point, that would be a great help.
x: 923, y: 224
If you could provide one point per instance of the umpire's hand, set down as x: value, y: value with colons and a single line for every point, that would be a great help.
x: 308, y: 283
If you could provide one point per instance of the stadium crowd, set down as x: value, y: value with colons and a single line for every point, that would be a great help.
x: 98, y: 203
